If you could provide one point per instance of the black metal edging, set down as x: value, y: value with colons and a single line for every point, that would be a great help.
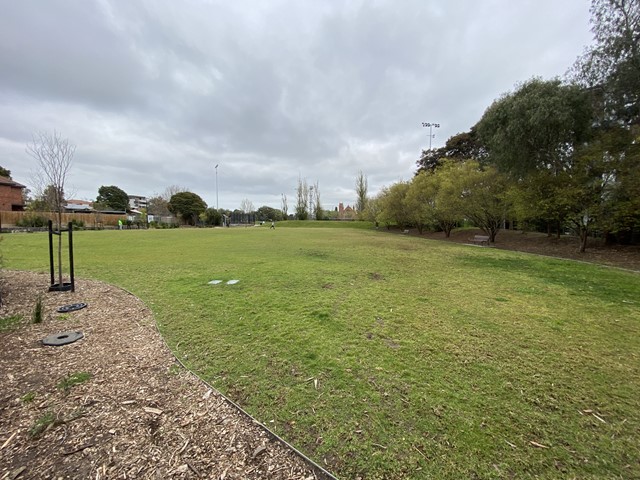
x: 318, y: 471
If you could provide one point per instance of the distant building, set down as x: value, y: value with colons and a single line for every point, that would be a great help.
x: 137, y: 202
x: 78, y: 206
x: 346, y: 213
x: 11, y: 198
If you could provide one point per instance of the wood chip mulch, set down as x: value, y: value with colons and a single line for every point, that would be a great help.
x: 139, y: 414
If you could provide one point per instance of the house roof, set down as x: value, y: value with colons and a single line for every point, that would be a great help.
x: 10, y: 183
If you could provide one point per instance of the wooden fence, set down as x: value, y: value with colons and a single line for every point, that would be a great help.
x: 90, y: 220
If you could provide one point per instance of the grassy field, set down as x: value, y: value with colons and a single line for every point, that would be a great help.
x: 386, y: 356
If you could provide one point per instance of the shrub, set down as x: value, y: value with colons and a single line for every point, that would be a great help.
x: 32, y: 220
x: 38, y: 311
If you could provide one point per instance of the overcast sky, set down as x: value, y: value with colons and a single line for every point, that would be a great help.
x: 156, y: 93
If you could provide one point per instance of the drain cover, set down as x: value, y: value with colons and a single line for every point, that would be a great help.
x: 71, y: 308
x: 232, y: 282
x: 62, y: 338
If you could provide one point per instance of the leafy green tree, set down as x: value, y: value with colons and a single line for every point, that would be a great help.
x: 266, y: 213
x: 460, y: 147
x: 420, y: 200
x: 5, y: 173
x: 188, y: 206
x: 113, y: 198
x: 612, y: 64
x: 392, y: 205
x: 538, y: 127
x: 211, y: 217
x: 483, y: 199
x: 448, y: 210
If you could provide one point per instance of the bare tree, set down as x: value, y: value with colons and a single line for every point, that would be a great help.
x: 171, y: 190
x: 317, y: 206
x: 362, y: 186
x: 54, y: 156
x: 246, y: 206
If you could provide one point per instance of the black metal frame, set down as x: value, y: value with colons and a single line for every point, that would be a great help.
x: 54, y: 286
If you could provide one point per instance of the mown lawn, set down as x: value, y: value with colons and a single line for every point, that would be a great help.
x: 385, y: 356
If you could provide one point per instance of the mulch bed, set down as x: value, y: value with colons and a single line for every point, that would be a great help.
x: 139, y: 414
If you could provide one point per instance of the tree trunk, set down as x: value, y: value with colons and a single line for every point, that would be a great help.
x: 584, y: 235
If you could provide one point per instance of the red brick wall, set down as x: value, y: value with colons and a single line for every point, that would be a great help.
x: 10, y: 196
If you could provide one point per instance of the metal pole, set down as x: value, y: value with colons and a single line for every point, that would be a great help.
x: 431, y: 127
x: 73, y: 282
x: 51, y: 251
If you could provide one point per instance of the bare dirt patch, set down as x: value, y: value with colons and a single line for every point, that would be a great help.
x: 137, y: 415
x: 622, y: 256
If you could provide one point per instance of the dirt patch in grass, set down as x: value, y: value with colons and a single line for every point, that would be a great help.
x: 130, y: 412
x: 622, y: 256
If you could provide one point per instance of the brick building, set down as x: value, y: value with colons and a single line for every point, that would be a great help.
x: 11, y: 199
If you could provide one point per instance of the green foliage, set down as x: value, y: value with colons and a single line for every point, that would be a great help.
x: 188, y: 206
x: 266, y: 213
x: 426, y: 348
x: 211, y: 217
x: 9, y: 323
x: 537, y: 127
x: 420, y: 200
x: 38, y: 311
x: 114, y: 198
x: 612, y: 64
x: 72, y: 380
x: 460, y: 147
x: 42, y: 423
x: 28, y: 397
x: 32, y: 220
x: 392, y: 205
x: 5, y: 173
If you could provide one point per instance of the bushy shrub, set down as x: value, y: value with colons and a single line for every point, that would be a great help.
x: 32, y: 220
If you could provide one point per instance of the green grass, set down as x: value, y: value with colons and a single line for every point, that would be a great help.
x: 41, y: 424
x: 387, y: 356
x: 73, y: 379
x: 10, y: 322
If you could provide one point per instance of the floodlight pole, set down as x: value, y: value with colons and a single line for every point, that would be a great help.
x: 431, y: 127
x: 217, y: 206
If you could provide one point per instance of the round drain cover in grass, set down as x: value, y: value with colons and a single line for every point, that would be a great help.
x: 62, y: 338
x: 71, y: 308
x: 232, y: 282
x: 215, y: 282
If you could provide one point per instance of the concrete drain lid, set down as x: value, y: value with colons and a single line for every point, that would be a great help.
x: 71, y: 308
x: 62, y: 338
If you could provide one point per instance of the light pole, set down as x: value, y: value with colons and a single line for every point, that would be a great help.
x: 431, y: 127
x: 217, y: 207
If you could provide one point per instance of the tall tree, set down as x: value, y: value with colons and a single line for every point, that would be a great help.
x: 5, y: 173
x: 113, y: 198
x: 188, y: 206
x: 539, y: 126
x: 483, y: 199
x: 302, y: 201
x: 393, y: 207
x: 54, y: 157
x: 316, y: 204
x: 420, y: 200
x: 362, y: 187
x: 612, y: 64
x: 285, y: 206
